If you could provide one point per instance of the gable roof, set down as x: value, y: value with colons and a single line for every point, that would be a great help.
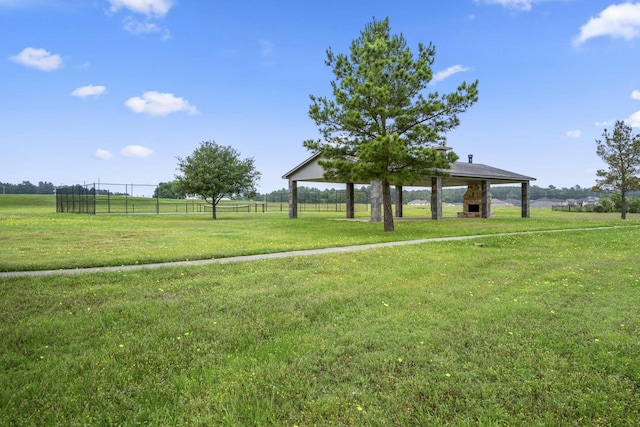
x: 459, y: 174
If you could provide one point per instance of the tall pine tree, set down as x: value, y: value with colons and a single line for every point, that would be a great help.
x: 620, y: 150
x: 381, y: 124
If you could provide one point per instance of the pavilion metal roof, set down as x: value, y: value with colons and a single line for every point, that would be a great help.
x: 460, y: 174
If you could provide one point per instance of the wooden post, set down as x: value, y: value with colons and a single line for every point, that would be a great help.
x: 293, y: 199
x: 350, y: 200
x: 436, y: 197
x: 398, y: 201
x: 376, y: 201
x: 485, y: 208
x: 525, y: 200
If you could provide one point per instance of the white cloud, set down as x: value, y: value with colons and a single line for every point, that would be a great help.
x: 635, y: 94
x: 512, y: 4
x: 150, y: 8
x: 159, y: 104
x: 634, y: 120
x: 605, y: 123
x: 441, y: 75
x: 617, y: 20
x: 574, y: 133
x: 136, y: 27
x: 38, y: 58
x: 89, y: 90
x: 103, y: 154
x: 136, y: 151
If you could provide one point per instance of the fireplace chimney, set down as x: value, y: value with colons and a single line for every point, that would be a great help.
x: 441, y: 148
x: 470, y: 158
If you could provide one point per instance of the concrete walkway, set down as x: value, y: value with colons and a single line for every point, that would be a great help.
x: 277, y: 255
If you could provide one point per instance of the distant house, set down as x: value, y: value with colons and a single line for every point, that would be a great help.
x: 419, y: 202
x: 589, y: 202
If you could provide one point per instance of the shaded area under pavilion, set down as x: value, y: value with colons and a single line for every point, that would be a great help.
x: 477, y: 177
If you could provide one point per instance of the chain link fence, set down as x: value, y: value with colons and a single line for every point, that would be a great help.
x: 106, y: 198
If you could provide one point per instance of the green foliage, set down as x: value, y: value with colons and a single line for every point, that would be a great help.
x: 607, y: 204
x: 380, y: 125
x: 633, y: 205
x: 614, y: 203
x: 528, y: 330
x: 166, y: 190
x: 620, y: 150
x: 315, y: 195
x: 26, y: 187
x: 213, y: 172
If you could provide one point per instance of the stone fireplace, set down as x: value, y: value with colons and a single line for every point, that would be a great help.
x: 472, y: 202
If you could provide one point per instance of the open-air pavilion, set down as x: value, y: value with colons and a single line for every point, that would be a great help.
x: 477, y: 177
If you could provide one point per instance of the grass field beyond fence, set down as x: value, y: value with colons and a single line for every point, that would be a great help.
x: 34, y: 237
x: 524, y: 329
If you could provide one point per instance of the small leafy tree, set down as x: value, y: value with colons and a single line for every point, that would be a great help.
x: 380, y: 125
x: 165, y: 190
x: 213, y: 172
x: 606, y: 204
x: 633, y: 204
x: 620, y: 150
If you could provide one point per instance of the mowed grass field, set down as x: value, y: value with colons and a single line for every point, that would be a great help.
x: 34, y: 237
x: 524, y: 329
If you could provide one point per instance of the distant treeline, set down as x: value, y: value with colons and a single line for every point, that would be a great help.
x: 449, y: 195
x: 27, y: 188
x: 337, y: 195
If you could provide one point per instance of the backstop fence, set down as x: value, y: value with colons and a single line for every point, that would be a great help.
x: 107, y: 198
x: 76, y: 199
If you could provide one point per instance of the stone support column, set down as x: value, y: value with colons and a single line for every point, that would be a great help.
x: 398, y: 201
x: 525, y: 200
x: 350, y: 200
x: 436, y: 197
x: 485, y: 208
x: 293, y: 199
x: 376, y: 201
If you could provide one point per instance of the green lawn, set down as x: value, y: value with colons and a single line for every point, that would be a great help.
x: 528, y: 329
x: 34, y: 237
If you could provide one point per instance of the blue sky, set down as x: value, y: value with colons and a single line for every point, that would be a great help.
x: 115, y: 90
